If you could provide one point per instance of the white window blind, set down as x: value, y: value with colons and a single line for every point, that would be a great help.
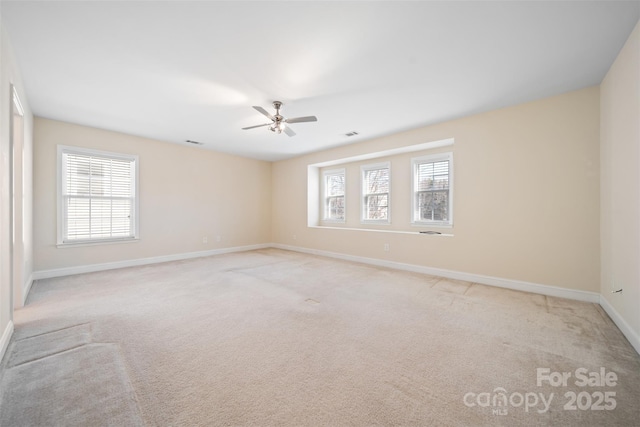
x: 98, y: 196
x: 375, y: 187
x: 334, y: 199
x: 432, y: 189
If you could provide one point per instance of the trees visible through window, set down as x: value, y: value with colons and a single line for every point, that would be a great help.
x: 432, y: 189
x: 375, y: 189
x: 334, y: 189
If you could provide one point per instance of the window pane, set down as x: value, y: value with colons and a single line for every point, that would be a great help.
x: 432, y: 190
x: 334, y: 188
x: 433, y: 205
x: 433, y: 176
x: 78, y: 218
x: 375, y: 188
x: 335, y: 185
x: 336, y: 208
x: 376, y: 181
x: 377, y: 206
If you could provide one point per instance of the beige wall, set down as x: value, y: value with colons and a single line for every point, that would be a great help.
x: 186, y: 193
x: 620, y: 182
x: 526, y: 203
x: 18, y: 253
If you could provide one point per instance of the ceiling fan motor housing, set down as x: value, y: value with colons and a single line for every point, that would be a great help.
x: 278, y: 124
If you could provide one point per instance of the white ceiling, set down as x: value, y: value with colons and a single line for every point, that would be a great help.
x: 174, y: 71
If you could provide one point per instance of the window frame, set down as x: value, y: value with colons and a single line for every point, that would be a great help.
x: 363, y: 196
x: 325, y: 197
x: 62, y: 240
x: 415, y: 163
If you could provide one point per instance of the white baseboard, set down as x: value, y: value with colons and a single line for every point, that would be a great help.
x: 622, y: 324
x: 68, y: 271
x: 6, y: 336
x: 517, y: 285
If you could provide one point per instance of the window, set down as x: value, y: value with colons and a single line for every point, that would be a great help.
x: 334, y: 186
x: 375, y: 193
x: 97, y: 196
x: 432, y: 189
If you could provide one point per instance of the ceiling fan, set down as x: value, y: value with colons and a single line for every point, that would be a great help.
x: 278, y: 123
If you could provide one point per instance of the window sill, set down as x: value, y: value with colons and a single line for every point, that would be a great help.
x: 374, y: 230
x: 427, y: 225
x: 95, y: 243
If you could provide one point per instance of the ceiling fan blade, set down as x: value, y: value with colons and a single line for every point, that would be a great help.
x: 263, y: 111
x: 289, y: 131
x: 302, y: 119
x: 256, y: 126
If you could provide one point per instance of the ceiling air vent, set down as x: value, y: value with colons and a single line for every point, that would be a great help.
x: 194, y: 142
x: 352, y: 133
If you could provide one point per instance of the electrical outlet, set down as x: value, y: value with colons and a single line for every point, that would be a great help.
x: 386, y: 247
x: 218, y: 238
x: 205, y: 239
x: 295, y: 237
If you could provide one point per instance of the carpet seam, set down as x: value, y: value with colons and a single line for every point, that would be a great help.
x: 54, y: 331
x: 50, y: 355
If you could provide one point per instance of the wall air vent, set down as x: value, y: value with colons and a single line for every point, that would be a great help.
x: 352, y: 133
x: 194, y: 142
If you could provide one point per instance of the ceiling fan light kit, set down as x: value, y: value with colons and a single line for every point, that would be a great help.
x: 278, y: 122
x: 277, y: 128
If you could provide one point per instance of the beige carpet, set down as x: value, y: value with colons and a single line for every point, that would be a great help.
x: 276, y: 338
